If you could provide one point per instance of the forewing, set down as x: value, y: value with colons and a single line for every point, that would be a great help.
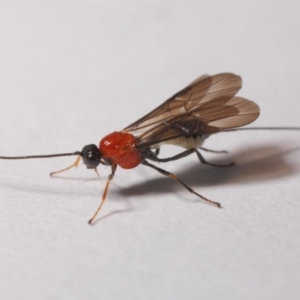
x: 205, y: 106
x: 205, y: 120
x: 202, y: 90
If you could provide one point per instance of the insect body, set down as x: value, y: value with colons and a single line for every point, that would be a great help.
x: 206, y: 106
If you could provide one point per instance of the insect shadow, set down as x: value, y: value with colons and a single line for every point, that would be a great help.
x: 264, y: 163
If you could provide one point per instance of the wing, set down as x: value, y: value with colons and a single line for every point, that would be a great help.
x: 205, y: 106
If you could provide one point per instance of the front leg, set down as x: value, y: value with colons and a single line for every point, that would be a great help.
x: 110, y: 178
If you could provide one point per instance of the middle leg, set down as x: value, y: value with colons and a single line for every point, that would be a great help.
x: 187, y: 153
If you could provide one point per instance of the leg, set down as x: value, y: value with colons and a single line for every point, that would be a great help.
x: 213, y: 151
x: 173, y: 176
x: 178, y: 156
x: 65, y: 169
x: 203, y: 161
x: 152, y: 154
x: 110, y: 177
x: 186, y: 153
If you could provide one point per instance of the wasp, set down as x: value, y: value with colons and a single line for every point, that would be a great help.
x: 206, y: 106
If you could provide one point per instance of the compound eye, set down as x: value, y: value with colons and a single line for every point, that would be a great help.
x: 91, y: 156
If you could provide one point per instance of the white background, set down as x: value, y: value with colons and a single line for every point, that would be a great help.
x: 72, y: 72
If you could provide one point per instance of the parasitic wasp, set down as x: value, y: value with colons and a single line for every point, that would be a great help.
x: 206, y: 106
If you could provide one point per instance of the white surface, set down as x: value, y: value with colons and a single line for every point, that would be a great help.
x: 74, y: 71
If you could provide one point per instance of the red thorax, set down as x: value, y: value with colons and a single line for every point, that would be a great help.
x: 120, y: 148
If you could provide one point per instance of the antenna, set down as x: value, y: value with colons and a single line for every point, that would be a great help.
x: 42, y: 156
